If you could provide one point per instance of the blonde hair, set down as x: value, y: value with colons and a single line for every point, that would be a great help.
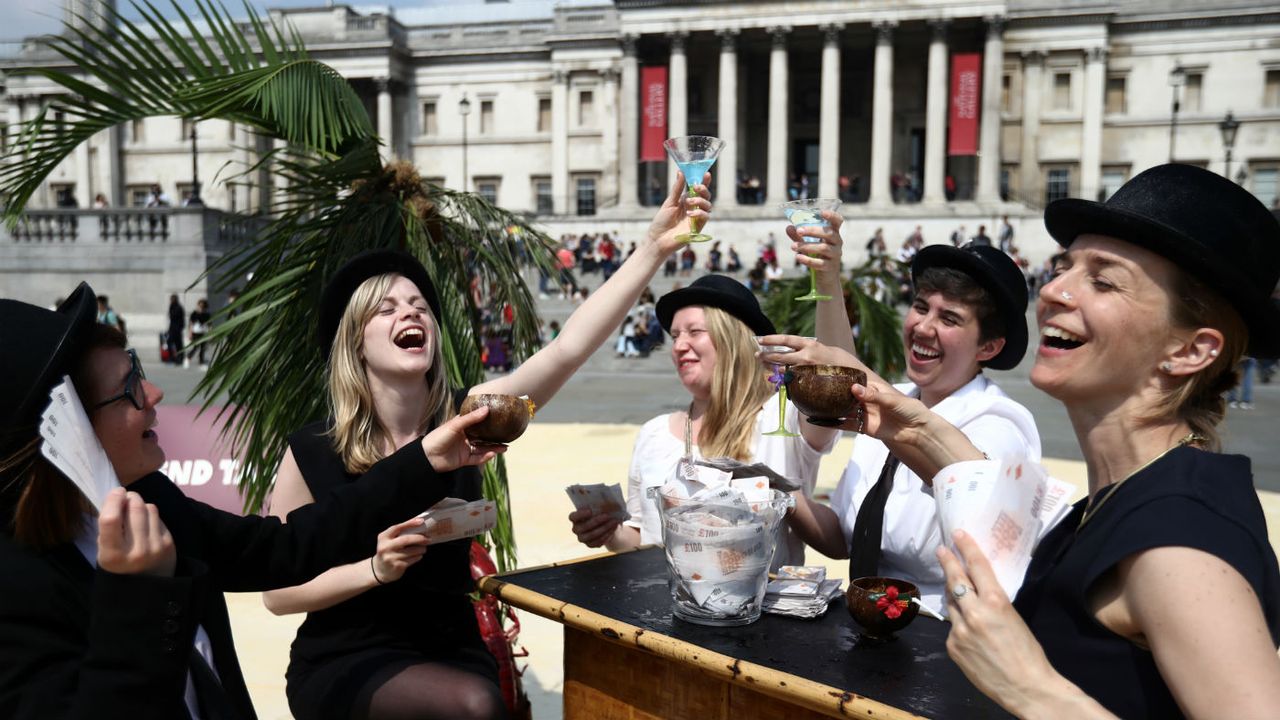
x: 358, y: 437
x: 1198, y: 400
x: 738, y: 388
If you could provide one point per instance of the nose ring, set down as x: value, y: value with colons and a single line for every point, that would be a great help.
x: 1066, y: 296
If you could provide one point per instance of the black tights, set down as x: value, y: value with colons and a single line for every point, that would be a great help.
x: 434, y: 690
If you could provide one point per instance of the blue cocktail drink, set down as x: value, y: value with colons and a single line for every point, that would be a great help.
x: 694, y: 155
x: 808, y: 213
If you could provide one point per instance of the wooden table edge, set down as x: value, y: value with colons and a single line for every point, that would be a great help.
x: 774, y: 683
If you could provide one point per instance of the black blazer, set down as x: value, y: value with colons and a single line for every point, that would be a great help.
x: 77, y: 641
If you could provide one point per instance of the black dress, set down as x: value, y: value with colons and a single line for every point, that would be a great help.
x: 1188, y: 498
x: 345, y: 652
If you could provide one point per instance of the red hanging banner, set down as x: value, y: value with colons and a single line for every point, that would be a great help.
x: 966, y: 86
x: 653, y: 113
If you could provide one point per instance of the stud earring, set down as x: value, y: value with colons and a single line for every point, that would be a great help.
x: 1213, y: 352
x: 1066, y: 296
x: 1166, y: 366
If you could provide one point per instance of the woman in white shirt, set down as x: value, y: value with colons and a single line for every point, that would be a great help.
x: 968, y: 313
x: 712, y: 323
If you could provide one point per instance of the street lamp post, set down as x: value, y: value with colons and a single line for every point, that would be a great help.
x: 1229, y: 126
x: 194, y: 199
x: 1177, y: 78
x: 464, y: 108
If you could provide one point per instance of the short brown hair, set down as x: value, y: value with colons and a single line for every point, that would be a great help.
x: 956, y: 286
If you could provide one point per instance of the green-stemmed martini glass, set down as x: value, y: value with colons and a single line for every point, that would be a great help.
x: 694, y: 154
x: 808, y: 213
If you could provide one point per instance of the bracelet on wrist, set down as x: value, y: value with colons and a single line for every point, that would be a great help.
x: 374, y: 569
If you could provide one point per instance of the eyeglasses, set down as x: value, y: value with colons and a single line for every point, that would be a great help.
x: 133, y: 391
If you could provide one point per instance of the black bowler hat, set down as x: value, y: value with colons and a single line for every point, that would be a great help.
x: 716, y: 291
x: 369, y: 264
x: 1210, y: 227
x: 999, y: 275
x: 37, y: 347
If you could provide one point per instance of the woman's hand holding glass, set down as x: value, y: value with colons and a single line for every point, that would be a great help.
x: 680, y: 213
x: 819, y: 248
x: 447, y: 447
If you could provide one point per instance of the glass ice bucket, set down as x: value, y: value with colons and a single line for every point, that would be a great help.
x: 718, y: 555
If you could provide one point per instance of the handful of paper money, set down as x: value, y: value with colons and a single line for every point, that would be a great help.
x: 601, y: 499
x: 739, y: 470
x: 454, y: 519
x: 1006, y: 505
x: 68, y: 441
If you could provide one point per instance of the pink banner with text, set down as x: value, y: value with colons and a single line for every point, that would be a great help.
x: 653, y: 113
x: 966, y: 86
x: 197, y: 460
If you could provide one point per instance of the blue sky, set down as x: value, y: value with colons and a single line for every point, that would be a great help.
x: 22, y: 18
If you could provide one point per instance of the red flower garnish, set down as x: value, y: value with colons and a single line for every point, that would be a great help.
x: 889, y: 604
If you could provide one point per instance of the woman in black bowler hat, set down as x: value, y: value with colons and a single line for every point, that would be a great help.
x: 967, y: 315
x: 713, y: 323
x: 120, y: 613
x: 1159, y: 594
x: 394, y: 634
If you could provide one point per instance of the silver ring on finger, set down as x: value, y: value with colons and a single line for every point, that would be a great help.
x: 959, y: 590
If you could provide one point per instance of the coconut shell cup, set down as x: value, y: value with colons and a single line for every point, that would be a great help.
x: 507, y: 419
x: 875, y: 624
x: 821, y: 392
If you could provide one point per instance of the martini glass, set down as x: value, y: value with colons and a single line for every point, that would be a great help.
x: 694, y: 154
x: 778, y: 380
x: 808, y: 213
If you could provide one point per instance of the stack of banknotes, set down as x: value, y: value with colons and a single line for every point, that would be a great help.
x: 601, y: 499
x: 801, y: 591
x: 454, y: 519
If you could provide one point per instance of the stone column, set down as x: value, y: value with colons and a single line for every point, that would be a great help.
x: 629, y: 133
x: 1029, y: 160
x: 882, y: 115
x: 726, y: 169
x: 244, y: 140
x: 108, y: 170
x: 560, y: 142
x: 829, y: 115
x: 84, y: 176
x: 1095, y: 88
x: 989, y: 130
x: 678, y: 99
x: 385, y: 118
x: 935, y: 133
x: 609, y: 136
x: 779, y: 136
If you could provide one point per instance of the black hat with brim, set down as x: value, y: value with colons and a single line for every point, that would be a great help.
x: 37, y: 347
x: 1210, y: 227
x: 716, y: 291
x: 338, y: 291
x: 999, y: 275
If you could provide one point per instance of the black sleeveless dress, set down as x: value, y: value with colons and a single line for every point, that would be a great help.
x: 1188, y: 498
x: 345, y: 652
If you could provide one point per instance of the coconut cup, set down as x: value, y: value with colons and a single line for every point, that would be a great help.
x: 507, y: 419
x: 862, y: 597
x: 821, y: 392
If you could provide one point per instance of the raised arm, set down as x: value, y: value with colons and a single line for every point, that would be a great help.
x: 542, y: 375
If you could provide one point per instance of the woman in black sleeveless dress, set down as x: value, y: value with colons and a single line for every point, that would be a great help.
x: 1159, y: 594
x: 394, y: 635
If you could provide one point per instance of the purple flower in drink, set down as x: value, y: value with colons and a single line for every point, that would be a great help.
x: 779, y: 377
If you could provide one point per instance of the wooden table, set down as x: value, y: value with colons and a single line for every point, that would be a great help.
x: 626, y: 656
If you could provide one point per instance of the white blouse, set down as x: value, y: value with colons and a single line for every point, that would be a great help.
x: 657, y: 453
